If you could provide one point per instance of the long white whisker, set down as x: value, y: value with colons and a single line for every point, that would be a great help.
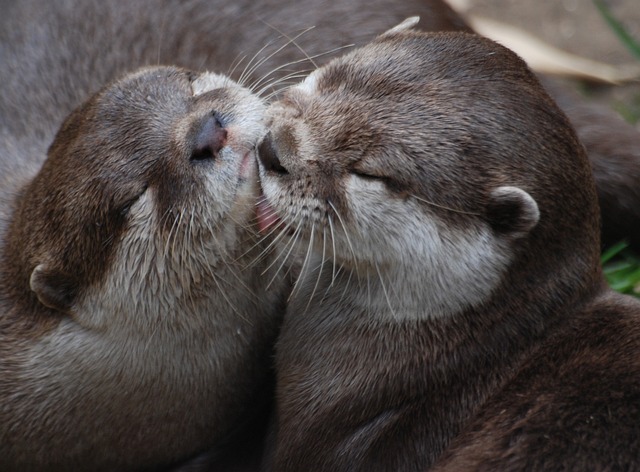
x: 346, y: 235
x: 282, y: 82
x: 445, y: 207
x: 293, y: 41
x: 234, y: 65
x: 260, y: 81
x: 292, y: 244
x: 307, y: 257
x: 284, y: 231
x: 226, y: 298
x: 333, y: 249
x: 347, y: 284
x: 315, y: 287
x: 257, y: 64
x: 174, y: 226
x: 272, y: 230
x: 251, y: 66
x: 384, y: 290
x: 175, y: 235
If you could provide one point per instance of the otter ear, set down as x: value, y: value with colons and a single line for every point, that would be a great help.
x: 54, y: 289
x: 512, y: 211
x: 407, y: 24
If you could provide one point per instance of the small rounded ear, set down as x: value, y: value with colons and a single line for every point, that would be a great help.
x: 512, y: 211
x: 407, y: 24
x: 54, y: 289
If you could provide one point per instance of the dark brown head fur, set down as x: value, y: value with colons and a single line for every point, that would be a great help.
x: 129, y: 283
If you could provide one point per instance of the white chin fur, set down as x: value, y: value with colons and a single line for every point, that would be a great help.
x: 415, y: 266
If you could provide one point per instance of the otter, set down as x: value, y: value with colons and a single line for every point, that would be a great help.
x: 450, y: 310
x: 136, y: 329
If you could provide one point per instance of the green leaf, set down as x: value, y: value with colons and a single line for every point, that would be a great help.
x: 618, y: 28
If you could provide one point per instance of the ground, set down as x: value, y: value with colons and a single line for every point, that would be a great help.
x: 578, y: 27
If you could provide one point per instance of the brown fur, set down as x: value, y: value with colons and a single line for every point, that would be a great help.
x: 46, y: 39
x: 136, y: 330
x: 56, y: 54
x: 613, y: 147
x: 63, y: 223
x: 540, y: 374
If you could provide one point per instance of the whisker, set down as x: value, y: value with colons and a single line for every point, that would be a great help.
x: 254, y: 67
x: 333, y: 244
x: 259, y: 82
x: 271, y: 231
x: 173, y: 227
x: 282, y: 234
x: 271, y: 245
x: 226, y: 298
x: 346, y: 234
x: 347, y: 284
x: 293, y: 41
x: 296, y: 286
x: 384, y: 290
x: 251, y: 66
x: 235, y: 64
x: 324, y: 247
x: 445, y: 207
x: 292, y: 244
x: 283, y: 82
x: 175, y: 236
x: 368, y: 291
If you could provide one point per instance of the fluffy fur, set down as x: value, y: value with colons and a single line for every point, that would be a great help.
x: 135, y: 330
x: 136, y: 324
x: 451, y: 310
x: 56, y: 55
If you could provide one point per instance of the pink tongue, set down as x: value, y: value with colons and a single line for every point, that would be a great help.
x: 266, y: 215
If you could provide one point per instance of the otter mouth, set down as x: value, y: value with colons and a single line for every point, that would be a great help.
x: 266, y: 215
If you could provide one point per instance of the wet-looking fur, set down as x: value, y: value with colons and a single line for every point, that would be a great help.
x: 135, y: 327
x: 450, y: 308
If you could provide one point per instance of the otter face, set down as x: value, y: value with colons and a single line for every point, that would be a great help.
x: 416, y: 163
x: 147, y: 189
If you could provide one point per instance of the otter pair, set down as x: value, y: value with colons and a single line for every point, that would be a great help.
x: 139, y: 311
x: 138, y: 308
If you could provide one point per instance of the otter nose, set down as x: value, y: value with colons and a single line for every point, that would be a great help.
x: 209, y: 140
x: 269, y: 157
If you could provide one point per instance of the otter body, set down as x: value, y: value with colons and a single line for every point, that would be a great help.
x: 135, y: 329
x: 450, y: 311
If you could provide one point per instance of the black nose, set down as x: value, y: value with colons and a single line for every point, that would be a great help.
x: 269, y: 157
x: 209, y: 140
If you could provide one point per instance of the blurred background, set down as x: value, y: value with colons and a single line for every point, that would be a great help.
x: 578, y: 27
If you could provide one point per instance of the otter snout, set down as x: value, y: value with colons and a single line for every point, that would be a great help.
x: 209, y: 140
x: 269, y: 157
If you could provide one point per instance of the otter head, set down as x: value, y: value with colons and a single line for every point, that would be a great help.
x: 148, y: 187
x: 432, y: 165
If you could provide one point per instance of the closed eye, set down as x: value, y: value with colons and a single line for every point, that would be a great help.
x: 390, y: 183
x: 369, y: 176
